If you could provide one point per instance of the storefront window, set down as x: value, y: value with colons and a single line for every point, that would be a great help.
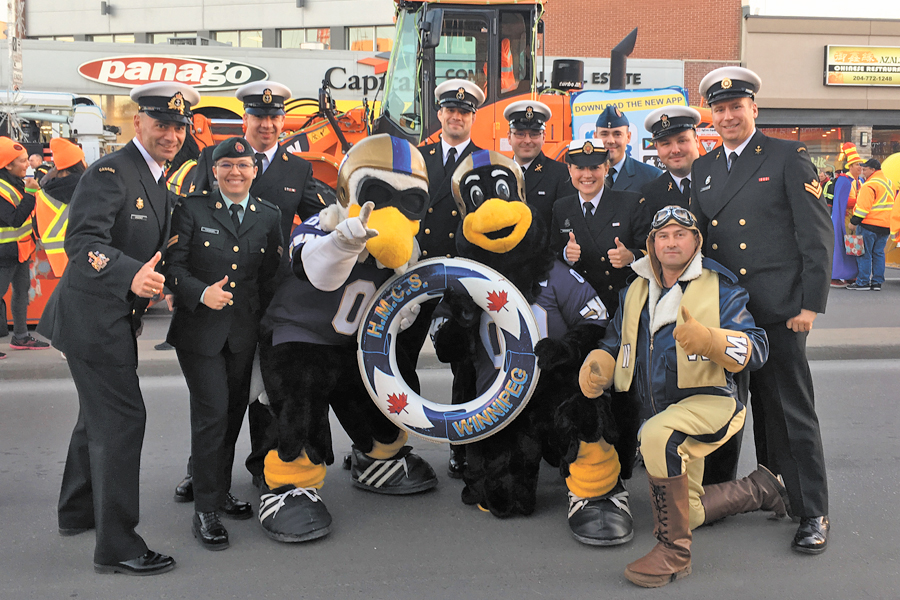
x: 371, y: 39
x: 885, y: 142
x: 823, y: 143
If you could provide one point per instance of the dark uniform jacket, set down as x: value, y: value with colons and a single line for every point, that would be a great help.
x: 614, y: 218
x: 546, y: 181
x: 287, y: 183
x: 767, y: 222
x: 119, y: 218
x: 635, y: 174
x: 438, y: 229
x: 656, y: 195
x: 203, y: 249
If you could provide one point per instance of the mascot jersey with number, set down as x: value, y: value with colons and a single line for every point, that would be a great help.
x: 308, y: 345
x: 559, y: 424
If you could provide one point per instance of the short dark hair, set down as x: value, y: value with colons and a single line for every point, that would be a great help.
x: 872, y: 163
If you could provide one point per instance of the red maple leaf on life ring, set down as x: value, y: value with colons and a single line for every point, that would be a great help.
x: 497, y: 301
x: 397, y: 403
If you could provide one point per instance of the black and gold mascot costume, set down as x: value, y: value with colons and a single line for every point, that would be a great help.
x: 559, y: 424
x: 308, y: 348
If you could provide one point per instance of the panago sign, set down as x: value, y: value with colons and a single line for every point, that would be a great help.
x: 205, y: 74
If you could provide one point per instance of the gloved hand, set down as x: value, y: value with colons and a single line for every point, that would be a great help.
x: 352, y: 234
x: 728, y: 349
x: 407, y: 316
x: 596, y: 373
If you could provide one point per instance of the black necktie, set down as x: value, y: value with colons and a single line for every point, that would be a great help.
x: 235, y: 211
x: 732, y: 158
x: 259, y: 165
x: 686, y: 187
x: 451, y: 161
x: 610, y: 177
x: 161, y: 182
x: 588, y: 210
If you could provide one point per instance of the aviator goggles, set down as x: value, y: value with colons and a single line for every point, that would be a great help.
x: 680, y: 215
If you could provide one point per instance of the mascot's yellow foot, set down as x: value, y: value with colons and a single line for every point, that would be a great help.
x: 403, y: 473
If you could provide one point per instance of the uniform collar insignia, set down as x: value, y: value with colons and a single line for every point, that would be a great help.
x: 537, y: 168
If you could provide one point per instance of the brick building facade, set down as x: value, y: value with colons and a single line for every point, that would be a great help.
x: 675, y: 29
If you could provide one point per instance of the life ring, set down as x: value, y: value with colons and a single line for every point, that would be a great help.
x: 517, y: 376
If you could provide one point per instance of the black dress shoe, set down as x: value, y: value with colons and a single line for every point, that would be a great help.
x: 812, y: 535
x: 151, y: 563
x: 184, y: 491
x: 235, y: 509
x: 210, y: 531
x: 457, y: 464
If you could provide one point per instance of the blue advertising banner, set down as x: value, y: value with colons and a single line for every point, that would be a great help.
x: 635, y: 104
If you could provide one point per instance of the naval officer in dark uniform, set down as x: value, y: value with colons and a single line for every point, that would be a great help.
x: 225, y: 247
x: 595, y: 230
x: 625, y: 173
x: 762, y: 215
x: 674, y: 132
x: 458, y: 100
x: 546, y: 180
x: 119, y: 221
x: 286, y: 181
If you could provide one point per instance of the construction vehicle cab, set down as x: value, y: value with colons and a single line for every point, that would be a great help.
x: 491, y: 44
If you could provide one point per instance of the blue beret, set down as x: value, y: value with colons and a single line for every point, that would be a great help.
x: 612, y: 117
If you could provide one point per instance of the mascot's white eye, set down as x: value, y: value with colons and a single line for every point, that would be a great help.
x: 502, y: 189
x: 476, y: 195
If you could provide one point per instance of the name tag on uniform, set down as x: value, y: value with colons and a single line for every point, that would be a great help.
x: 291, y: 190
x: 208, y: 230
x: 138, y: 217
x: 542, y: 193
x: 705, y: 188
x: 566, y: 230
x: 616, y: 224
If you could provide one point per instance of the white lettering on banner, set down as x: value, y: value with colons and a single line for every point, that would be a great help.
x: 204, y: 74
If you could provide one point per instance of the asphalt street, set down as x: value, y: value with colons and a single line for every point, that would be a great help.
x: 431, y: 546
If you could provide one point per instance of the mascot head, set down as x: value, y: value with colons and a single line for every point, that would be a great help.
x: 489, y: 190
x: 389, y: 172
x: 498, y: 227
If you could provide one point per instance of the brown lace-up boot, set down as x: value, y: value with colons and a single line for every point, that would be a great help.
x: 670, y: 559
x: 761, y: 490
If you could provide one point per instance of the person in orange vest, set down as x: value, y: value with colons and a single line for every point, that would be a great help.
x: 52, y: 200
x: 872, y: 218
x: 17, y: 238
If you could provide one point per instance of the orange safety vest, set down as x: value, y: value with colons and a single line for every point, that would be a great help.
x: 21, y: 235
x: 175, y: 182
x: 52, y: 220
x: 508, y: 81
x: 875, y: 201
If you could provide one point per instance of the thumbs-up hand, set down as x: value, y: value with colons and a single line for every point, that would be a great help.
x: 215, y: 297
x: 353, y: 233
x: 692, y: 336
x: 573, y: 250
x: 620, y: 256
x: 595, y: 373
x: 147, y: 283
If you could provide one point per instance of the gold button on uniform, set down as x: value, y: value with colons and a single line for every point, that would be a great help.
x: 451, y: 235
x: 448, y: 256
x: 230, y: 302
x: 742, y: 222
x: 431, y: 210
x: 427, y: 231
x: 743, y: 271
x: 263, y: 250
x: 453, y: 213
x: 743, y: 246
x: 715, y: 246
x: 206, y: 244
x: 714, y: 223
x: 236, y: 248
x: 231, y: 284
x: 424, y: 252
x: 602, y: 259
x: 610, y: 287
x: 234, y: 267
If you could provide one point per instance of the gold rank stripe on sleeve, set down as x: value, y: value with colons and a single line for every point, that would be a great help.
x: 172, y: 240
x: 814, y: 188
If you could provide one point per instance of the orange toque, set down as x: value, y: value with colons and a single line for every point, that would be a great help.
x: 65, y: 153
x: 10, y: 151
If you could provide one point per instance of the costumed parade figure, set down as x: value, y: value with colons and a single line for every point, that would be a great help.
x: 681, y: 332
x: 308, y: 348
x: 559, y: 424
x: 845, y: 186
